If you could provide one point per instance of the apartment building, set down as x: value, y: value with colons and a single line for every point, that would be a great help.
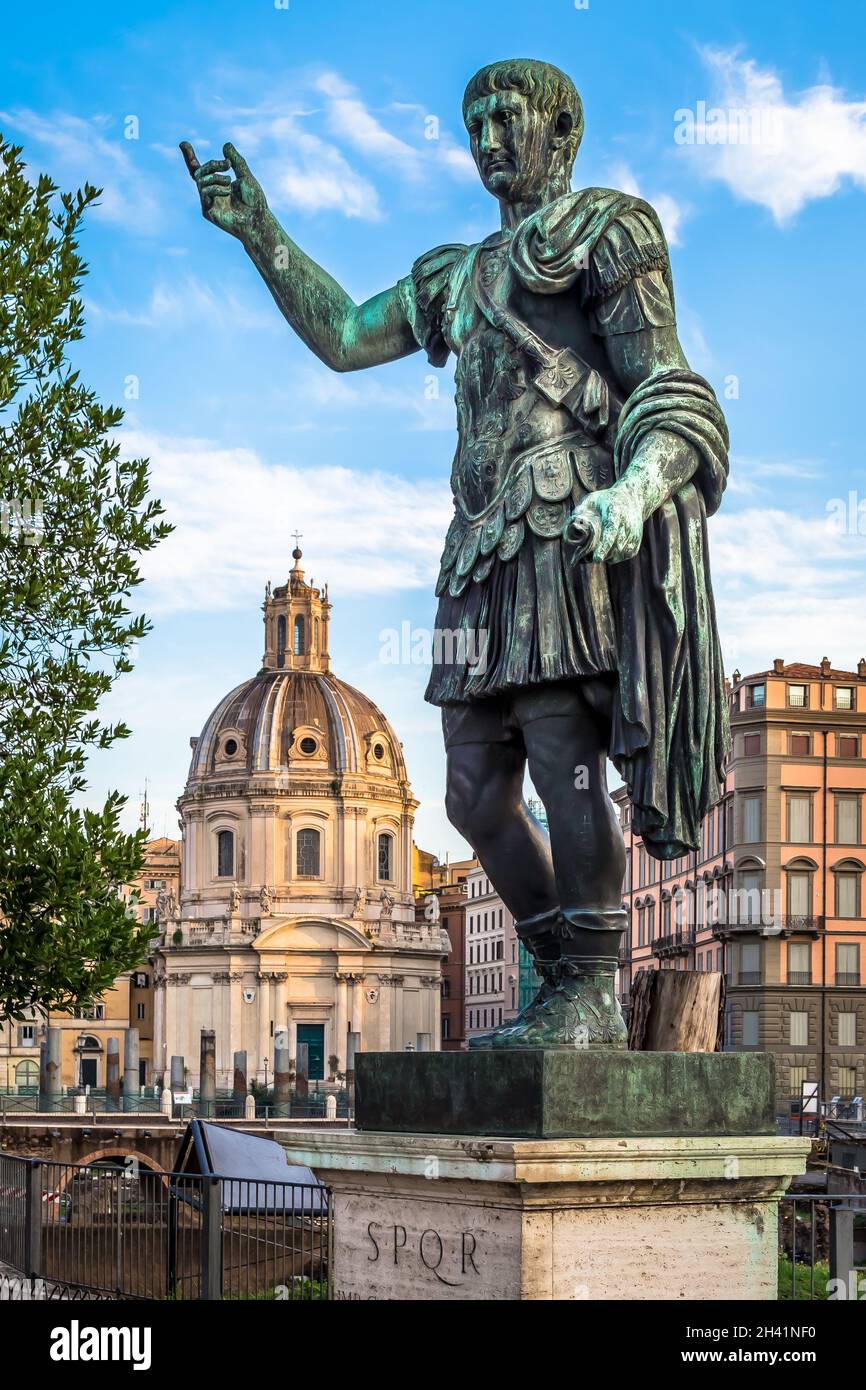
x: 774, y: 896
x: 492, y: 966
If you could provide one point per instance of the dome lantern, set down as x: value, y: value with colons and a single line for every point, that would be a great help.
x: 296, y: 623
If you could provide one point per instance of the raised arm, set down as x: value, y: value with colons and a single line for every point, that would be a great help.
x: 344, y: 335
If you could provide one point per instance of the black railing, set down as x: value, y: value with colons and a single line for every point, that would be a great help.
x: 674, y: 943
x: 134, y: 1233
x: 822, y: 1246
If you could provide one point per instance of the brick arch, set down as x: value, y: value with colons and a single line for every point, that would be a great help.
x: 117, y: 1152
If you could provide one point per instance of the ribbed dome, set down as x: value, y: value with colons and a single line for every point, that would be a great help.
x: 284, y: 720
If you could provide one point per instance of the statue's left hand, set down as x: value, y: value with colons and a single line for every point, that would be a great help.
x: 606, y: 525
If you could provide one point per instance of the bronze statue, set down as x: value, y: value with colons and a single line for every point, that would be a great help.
x: 589, y: 456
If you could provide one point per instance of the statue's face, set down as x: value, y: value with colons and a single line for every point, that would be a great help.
x: 510, y: 142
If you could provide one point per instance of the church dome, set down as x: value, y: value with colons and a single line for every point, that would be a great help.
x: 295, y: 716
x: 286, y: 721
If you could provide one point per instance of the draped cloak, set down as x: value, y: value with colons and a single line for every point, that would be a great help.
x: 669, y: 727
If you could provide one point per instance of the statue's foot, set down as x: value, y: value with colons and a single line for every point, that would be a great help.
x: 582, y: 1011
x: 482, y: 1040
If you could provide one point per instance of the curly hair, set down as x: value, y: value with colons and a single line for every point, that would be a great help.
x: 545, y: 86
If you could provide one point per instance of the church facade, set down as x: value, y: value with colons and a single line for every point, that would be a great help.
x: 296, y: 908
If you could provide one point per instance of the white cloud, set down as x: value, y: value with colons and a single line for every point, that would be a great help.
x: 790, y: 581
x: 298, y: 169
x: 671, y: 213
x: 93, y: 151
x: 188, y: 301
x: 777, y: 149
x: 370, y: 532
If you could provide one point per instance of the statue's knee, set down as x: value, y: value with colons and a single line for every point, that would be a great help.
x: 469, y: 807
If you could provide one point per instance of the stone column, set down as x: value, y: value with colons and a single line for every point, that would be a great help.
x: 207, y: 1073
x: 239, y: 1080
x: 131, y: 1082
x: 112, y: 1074
x: 264, y: 1004
x: 282, y: 1085
x: 178, y: 1080
x: 159, y: 1038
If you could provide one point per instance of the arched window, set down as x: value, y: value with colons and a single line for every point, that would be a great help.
x: 281, y: 640
x: 27, y: 1076
x: 299, y: 644
x: 309, y: 854
x: 385, y: 857
x: 225, y: 854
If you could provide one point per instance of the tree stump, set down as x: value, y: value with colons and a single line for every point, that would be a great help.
x: 677, y: 1011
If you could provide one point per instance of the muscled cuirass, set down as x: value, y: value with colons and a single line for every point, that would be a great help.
x: 522, y: 460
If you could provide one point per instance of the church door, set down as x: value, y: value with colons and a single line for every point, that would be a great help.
x: 313, y: 1034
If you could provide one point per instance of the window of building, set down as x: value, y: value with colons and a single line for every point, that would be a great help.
x: 719, y: 958
x: 845, y: 697
x: 385, y: 848
x: 798, y: 1029
x: 798, y: 696
x: 847, y: 895
x: 799, y: 1075
x: 847, y: 1082
x: 751, y: 819
x: 281, y: 640
x: 154, y: 883
x: 308, y: 853
x: 747, y: 897
x: 801, y: 745
x: 650, y: 922
x: 750, y: 963
x: 847, y: 746
x: 799, y: 963
x: 299, y: 640
x: 799, y: 893
x: 751, y: 745
x: 751, y: 1019
x: 139, y: 1010
x: 225, y: 854
x: 27, y: 1075
x: 446, y: 988
x: 847, y: 819
x: 757, y: 696
x: 847, y: 963
x: 799, y: 818
x: 846, y: 1030
x: 446, y: 1026
x: 27, y: 1035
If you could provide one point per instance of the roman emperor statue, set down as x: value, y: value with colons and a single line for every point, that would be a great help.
x: 588, y: 459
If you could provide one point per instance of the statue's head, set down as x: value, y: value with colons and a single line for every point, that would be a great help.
x: 525, y: 123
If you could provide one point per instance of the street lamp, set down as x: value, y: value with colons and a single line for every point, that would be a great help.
x: 265, y: 1065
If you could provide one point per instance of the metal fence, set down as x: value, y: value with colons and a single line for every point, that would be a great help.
x: 100, y: 1231
x: 822, y: 1246
x: 225, y: 1106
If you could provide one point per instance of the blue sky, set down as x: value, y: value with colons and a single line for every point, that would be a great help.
x: 250, y: 437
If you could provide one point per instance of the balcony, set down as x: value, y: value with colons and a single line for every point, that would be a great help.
x: 798, y: 924
x: 749, y: 977
x: 847, y: 977
x: 799, y: 977
x: 678, y: 943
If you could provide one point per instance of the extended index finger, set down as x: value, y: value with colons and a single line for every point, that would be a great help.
x: 190, y: 158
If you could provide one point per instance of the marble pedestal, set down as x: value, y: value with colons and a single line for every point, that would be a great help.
x: 460, y: 1217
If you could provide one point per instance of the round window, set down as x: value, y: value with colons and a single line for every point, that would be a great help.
x: 230, y: 747
x: 308, y: 745
x: 378, y: 751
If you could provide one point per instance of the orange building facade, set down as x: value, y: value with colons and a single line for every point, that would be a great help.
x: 774, y: 898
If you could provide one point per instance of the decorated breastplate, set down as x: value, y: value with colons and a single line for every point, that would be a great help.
x: 520, y: 463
